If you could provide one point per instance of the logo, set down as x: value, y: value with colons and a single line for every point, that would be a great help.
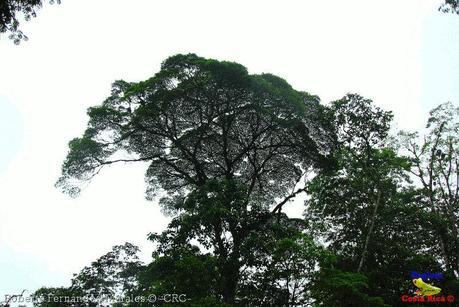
x: 424, y: 289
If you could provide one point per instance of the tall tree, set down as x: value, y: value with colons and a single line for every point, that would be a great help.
x: 361, y: 130
x: 227, y: 149
x: 435, y: 163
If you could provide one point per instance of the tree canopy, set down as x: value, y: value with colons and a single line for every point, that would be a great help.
x: 435, y: 163
x: 200, y: 119
x: 225, y: 149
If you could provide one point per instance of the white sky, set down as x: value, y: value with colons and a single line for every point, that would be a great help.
x: 402, y: 54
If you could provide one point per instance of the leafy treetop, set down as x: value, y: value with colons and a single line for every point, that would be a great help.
x: 199, y: 119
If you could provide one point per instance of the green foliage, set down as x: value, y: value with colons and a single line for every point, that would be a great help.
x: 227, y: 151
x: 271, y: 260
x: 225, y: 148
x: 9, y: 20
x: 199, y: 119
x: 342, y: 201
x: 366, y: 209
x: 434, y: 160
x: 110, y: 277
x: 283, y: 263
x: 339, y: 288
x: 185, y: 271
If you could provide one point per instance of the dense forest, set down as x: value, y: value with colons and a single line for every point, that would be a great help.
x: 226, y: 152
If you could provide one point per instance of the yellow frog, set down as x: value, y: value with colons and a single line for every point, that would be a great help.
x: 424, y: 288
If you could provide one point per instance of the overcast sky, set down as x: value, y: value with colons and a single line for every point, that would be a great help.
x: 402, y: 54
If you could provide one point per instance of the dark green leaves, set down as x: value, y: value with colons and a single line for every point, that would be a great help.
x: 9, y: 21
x: 200, y: 119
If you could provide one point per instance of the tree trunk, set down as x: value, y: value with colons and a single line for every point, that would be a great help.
x: 230, y: 281
x: 370, y: 230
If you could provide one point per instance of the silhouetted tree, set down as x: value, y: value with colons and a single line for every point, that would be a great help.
x: 227, y: 149
x: 109, y: 278
x: 435, y: 162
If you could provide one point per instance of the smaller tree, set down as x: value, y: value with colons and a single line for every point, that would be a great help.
x: 435, y: 163
x: 182, y: 270
x: 350, y: 197
x: 284, y: 263
x: 112, y: 275
x: 365, y: 210
x: 107, y: 279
